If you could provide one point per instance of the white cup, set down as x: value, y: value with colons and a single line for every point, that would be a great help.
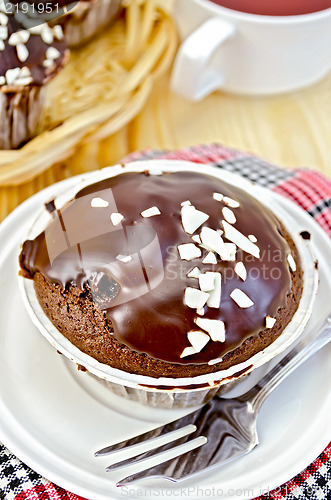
x: 248, y: 53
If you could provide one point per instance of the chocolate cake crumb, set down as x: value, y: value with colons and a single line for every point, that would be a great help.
x: 50, y: 206
x: 305, y: 235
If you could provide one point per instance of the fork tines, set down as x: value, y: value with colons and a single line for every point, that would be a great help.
x: 173, y: 442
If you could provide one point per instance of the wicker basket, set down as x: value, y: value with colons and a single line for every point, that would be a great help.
x: 103, y: 87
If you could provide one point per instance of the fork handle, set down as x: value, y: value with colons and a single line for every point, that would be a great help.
x: 308, y: 346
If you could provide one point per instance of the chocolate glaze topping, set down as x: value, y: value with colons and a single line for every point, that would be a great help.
x: 144, y: 297
x: 37, y: 46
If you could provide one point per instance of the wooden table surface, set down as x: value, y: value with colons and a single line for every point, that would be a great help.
x: 292, y: 130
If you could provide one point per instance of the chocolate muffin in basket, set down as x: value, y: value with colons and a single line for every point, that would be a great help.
x: 29, y: 59
x: 87, y: 19
x: 175, y: 274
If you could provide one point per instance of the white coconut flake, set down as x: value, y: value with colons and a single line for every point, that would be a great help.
x: 269, y: 321
x: 99, y: 203
x: 197, y: 239
x: 230, y: 202
x: 48, y: 63
x: 194, y: 273
x: 192, y: 218
x: 116, y: 218
x: 150, y: 212
x: 218, y: 196
x: 14, y: 39
x: 23, y: 35
x: 36, y: 30
x: 155, y: 171
x: 214, y: 327
x: 198, y: 340
x: 194, y: 298
x: 214, y: 242
x: 46, y: 35
x: 3, y: 32
x: 209, y: 259
x: 206, y: 281
x: 58, y: 32
x: 241, y: 299
x: 252, y: 237
x: 188, y: 351
x: 189, y: 251
x: 11, y: 75
x: 187, y: 202
x: 25, y: 72
x: 214, y: 299
x: 124, y: 258
x: 3, y: 19
x: 22, y: 52
x: 232, y: 234
x: 229, y: 215
x: 232, y: 248
x: 240, y: 270
x: 291, y: 262
x: 214, y: 361
x: 22, y: 82
x: 2, y: 80
x: 52, y: 53
x: 201, y: 311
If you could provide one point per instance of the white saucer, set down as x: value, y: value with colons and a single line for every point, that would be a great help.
x: 54, y: 417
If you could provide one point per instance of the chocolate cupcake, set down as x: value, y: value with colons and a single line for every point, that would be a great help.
x: 88, y: 18
x: 167, y: 277
x: 29, y: 58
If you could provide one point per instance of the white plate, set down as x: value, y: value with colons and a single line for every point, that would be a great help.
x: 54, y: 417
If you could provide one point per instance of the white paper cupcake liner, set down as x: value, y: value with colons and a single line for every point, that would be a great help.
x: 157, y: 398
x: 183, y: 392
x: 86, y: 19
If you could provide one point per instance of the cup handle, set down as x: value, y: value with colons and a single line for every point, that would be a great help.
x: 191, y: 77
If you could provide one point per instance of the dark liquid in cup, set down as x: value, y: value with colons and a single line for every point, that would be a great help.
x: 276, y: 7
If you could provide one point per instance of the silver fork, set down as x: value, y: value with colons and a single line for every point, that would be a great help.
x: 220, y: 431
